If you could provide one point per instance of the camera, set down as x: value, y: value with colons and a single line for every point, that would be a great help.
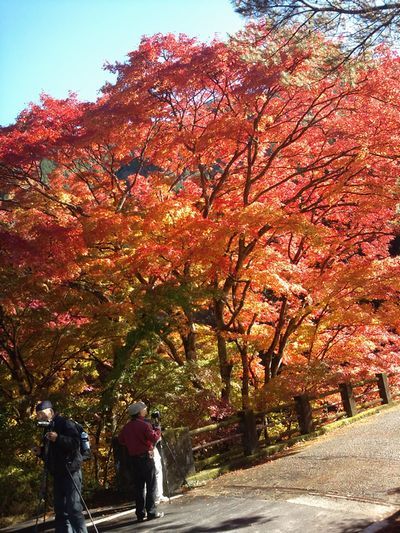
x: 155, y: 418
x: 43, y: 423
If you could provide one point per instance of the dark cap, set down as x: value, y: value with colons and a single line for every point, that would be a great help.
x: 46, y: 404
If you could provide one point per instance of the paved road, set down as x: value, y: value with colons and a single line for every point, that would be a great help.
x: 360, y: 461
x: 209, y: 514
x: 344, y: 482
x: 341, y: 483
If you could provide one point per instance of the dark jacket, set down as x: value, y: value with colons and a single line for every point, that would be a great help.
x: 65, y: 451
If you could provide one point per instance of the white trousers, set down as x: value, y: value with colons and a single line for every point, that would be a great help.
x: 159, y: 474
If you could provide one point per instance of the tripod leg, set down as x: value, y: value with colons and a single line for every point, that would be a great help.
x: 38, y: 514
x: 42, y: 498
x: 82, y: 500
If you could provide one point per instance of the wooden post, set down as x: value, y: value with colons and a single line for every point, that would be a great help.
x: 383, y: 386
x: 304, y: 414
x: 348, y: 400
x: 249, y: 428
x: 267, y: 438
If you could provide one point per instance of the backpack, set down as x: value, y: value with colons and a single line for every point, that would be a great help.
x: 84, y: 442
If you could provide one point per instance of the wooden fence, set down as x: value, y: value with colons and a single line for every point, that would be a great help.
x: 248, y: 431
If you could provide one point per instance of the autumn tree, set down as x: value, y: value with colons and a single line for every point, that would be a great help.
x: 360, y: 24
x: 215, y: 196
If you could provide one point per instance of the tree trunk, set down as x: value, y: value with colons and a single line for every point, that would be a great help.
x: 189, y: 343
x: 245, y: 378
x: 225, y: 368
x: 276, y: 364
x: 272, y: 363
x: 225, y: 364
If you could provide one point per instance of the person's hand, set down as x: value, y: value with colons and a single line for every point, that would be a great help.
x: 52, y: 436
x: 36, y: 450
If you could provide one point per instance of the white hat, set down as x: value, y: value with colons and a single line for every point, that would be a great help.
x: 135, y: 408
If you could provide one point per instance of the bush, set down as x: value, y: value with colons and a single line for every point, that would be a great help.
x: 17, y: 481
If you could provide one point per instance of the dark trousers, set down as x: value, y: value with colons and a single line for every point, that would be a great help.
x: 144, y: 476
x: 67, y: 503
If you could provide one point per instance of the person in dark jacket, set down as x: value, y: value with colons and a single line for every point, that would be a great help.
x: 140, y: 437
x: 60, y: 452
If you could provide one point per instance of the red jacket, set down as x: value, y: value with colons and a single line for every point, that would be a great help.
x: 139, y: 436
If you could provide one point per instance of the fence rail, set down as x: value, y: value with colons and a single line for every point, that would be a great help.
x: 218, y: 442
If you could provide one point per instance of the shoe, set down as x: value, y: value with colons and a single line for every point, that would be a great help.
x: 154, y: 516
x: 162, y: 499
x: 140, y: 519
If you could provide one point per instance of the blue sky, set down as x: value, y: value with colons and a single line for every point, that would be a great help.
x: 60, y: 45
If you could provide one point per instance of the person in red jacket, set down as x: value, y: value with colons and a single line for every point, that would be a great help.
x: 140, y: 437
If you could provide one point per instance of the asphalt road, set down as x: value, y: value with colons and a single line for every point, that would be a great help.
x: 217, y: 514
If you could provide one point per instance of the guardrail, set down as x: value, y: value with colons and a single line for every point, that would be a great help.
x: 247, y: 431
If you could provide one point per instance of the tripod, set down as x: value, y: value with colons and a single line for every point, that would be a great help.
x: 42, y: 498
x: 43, y: 488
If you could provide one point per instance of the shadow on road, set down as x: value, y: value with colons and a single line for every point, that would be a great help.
x: 392, y: 524
x: 356, y: 527
x: 168, y: 524
x: 231, y: 525
x: 394, y: 491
